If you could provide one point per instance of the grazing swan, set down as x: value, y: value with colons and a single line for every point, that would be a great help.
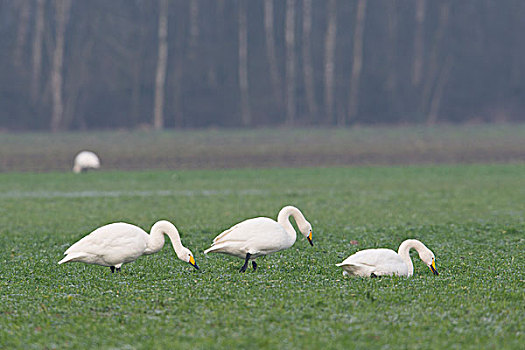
x: 85, y: 160
x: 261, y: 236
x: 120, y: 243
x: 383, y: 262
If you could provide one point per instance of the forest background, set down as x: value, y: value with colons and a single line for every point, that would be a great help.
x: 126, y: 64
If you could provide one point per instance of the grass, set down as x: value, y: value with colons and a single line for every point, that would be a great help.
x: 212, y: 149
x: 471, y: 216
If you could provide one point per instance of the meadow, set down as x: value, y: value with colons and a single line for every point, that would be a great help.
x: 471, y: 216
x: 270, y: 147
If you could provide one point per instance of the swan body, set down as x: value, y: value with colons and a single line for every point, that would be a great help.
x: 384, y: 262
x: 85, y: 160
x: 120, y: 243
x: 259, y: 236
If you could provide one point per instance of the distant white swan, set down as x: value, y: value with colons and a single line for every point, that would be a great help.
x: 120, y: 243
x: 252, y: 238
x: 85, y: 160
x: 382, y: 262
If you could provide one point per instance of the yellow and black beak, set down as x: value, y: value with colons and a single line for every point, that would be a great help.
x: 309, y: 238
x: 193, y: 263
x: 433, y: 267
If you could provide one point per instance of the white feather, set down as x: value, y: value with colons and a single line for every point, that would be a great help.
x: 261, y: 235
x: 382, y: 262
x: 86, y: 160
x: 119, y: 243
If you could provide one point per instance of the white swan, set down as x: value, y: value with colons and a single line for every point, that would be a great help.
x: 382, y: 262
x: 85, y: 160
x: 120, y: 243
x: 261, y: 236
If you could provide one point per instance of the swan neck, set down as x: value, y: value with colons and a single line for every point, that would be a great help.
x: 284, y: 219
x: 175, y: 240
x: 157, y: 237
x: 404, y: 252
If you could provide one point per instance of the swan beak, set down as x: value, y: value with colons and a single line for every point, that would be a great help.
x: 433, y: 268
x: 193, y: 263
x: 309, y: 238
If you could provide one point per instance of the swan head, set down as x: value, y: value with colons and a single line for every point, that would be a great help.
x: 186, y: 255
x: 306, y: 230
x: 428, y: 258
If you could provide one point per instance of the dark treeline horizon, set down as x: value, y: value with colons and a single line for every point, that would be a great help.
x: 78, y: 65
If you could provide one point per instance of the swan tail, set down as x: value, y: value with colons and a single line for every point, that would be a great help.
x: 212, y: 249
x: 71, y: 257
x: 223, y: 247
x: 223, y: 234
x: 356, y: 269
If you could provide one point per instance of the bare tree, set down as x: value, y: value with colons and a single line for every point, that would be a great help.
x: 438, y: 69
x: 137, y: 62
x: 194, y: 27
x: 357, y: 63
x: 329, y: 60
x: 290, y: 61
x: 419, y: 40
x: 433, y: 66
x: 62, y: 8
x: 270, y: 52
x: 162, y: 60
x: 435, y: 104
x: 391, y: 80
x: 243, y: 65
x: 178, y: 73
x: 23, y: 24
x: 37, y: 49
x: 77, y: 77
x: 307, y: 59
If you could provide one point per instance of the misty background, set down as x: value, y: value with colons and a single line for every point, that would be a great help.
x: 77, y: 65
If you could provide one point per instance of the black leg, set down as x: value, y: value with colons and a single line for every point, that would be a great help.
x: 118, y: 269
x: 254, y: 264
x: 245, y: 266
x: 373, y: 275
x: 112, y: 269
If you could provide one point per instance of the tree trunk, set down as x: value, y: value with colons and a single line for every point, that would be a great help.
x: 357, y: 63
x: 61, y: 14
x: 329, y: 60
x: 162, y: 60
x: 137, y: 62
x: 430, y: 77
x: 433, y: 113
x: 290, y: 61
x: 37, y: 50
x: 391, y: 81
x: 419, y: 40
x: 21, y: 36
x: 194, y: 27
x: 270, y: 51
x: 178, y: 74
x: 76, y: 79
x: 243, y: 65
x: 307, y: 60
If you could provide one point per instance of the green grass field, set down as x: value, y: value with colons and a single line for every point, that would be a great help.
x: 471, y: 216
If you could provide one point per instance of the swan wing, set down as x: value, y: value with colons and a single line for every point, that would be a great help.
x: 255, y: 236
x: 357, y: 269
x: 377, y: 261
x: 249, y: 229
x: 119, y: 241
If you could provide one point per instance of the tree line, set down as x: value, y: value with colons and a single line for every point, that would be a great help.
x: 74, y: 65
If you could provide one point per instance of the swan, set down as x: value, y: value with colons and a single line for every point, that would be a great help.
x: 85, y: 160
x: 120, y: 243
x: 252, y: 238
x: 383, y: 262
